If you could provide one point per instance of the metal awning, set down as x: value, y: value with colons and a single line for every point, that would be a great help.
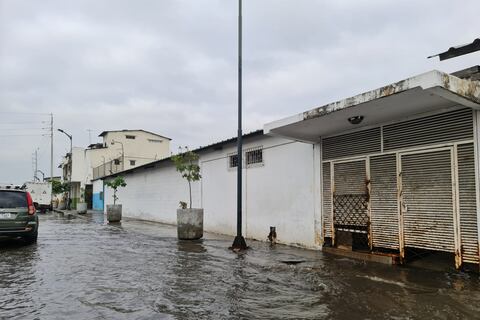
x: 427, y: 92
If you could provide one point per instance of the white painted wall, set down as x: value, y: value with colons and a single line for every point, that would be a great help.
x: 154, y: 194
x: 280, y: 193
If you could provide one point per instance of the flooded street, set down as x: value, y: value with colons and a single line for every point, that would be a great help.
x: 83, y: 269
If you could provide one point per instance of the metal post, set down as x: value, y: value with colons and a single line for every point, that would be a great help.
x: 70, y: 176
x: 239, y: 242
x: 51, y: 157
x: 36, y: 165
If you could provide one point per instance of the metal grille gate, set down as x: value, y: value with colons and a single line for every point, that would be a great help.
x: 350, y: 204
x: 351, y: 212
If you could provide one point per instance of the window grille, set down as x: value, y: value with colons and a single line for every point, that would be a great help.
x: 130, y: 137
x: 155, y: 141
x: 254, y: 156
x: 233, y: 161
x: 132, y: 162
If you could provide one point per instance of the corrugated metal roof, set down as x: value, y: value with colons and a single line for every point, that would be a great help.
x: 214, y: 146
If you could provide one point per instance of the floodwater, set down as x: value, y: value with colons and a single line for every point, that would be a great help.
x: 85, y: 269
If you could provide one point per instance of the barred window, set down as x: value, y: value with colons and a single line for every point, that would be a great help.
x: 233, y: 161
x: 254, y: 156
x: 130, y: 137
x: 155, y: 140
x: 132, y: 162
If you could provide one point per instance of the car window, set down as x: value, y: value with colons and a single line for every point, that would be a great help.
x: 13, y: 199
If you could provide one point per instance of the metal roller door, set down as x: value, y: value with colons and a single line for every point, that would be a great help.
x: 467, y: 203
x: 427, y: 200
x: 327, y: 201
x: 384, y: 201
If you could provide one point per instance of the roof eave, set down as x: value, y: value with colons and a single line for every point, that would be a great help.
x: 461, y: 91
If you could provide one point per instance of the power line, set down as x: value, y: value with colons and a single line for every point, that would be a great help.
x: 21, y: 135
x: 25, y: 113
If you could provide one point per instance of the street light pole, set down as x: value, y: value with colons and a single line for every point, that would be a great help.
x: 123, y: 153
x: 239, y: 242
x: 71, y: 167
x: 43, y: 174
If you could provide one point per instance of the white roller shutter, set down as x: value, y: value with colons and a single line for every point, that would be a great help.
x: 467, y: 201
x: 327, y: 201
x: 383, y: 201
x: 427, y: 204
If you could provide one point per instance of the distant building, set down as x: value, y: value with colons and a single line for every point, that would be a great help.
x: 120, y: 150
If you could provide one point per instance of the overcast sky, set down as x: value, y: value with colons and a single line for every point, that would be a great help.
x: 170, y: 66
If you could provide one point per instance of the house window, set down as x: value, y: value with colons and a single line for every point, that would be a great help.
x: 254, y: 156
x: 130, y: 137
x: 155, y: 141
x: 132, y: 162
x: 116, y: 162
x: 233, y: 161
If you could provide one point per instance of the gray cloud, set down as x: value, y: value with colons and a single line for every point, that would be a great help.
x: 170, y: 66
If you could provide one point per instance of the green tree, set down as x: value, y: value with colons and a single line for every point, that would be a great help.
x: 186, y: 162
x: 59, y: 187
x: 115, y: 184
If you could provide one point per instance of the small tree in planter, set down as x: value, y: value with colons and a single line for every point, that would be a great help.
x: 189, y: 220
x: 114, y: 212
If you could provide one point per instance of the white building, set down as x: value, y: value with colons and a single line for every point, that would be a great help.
x: 394, y: 170
x: 120, y: 150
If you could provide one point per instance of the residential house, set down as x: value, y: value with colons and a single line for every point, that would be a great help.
x: 120, y: 150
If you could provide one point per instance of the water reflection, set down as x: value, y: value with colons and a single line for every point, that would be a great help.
x: 83, y: 269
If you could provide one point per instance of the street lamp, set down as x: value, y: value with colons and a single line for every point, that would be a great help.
x: 71, y: 166
x: 239, y: 242
x: 43, y: 174
x: 123, y: 153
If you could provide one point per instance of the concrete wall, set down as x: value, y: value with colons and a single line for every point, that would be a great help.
x: 98, y: 196
x: 278, y: 193
x: 281, y: 192
x: 154, y: 194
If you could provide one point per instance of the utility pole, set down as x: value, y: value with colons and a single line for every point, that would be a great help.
x: 35, y: 166
x: 239, y: 242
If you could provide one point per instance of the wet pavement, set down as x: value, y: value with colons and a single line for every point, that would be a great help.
x: 82, y: 268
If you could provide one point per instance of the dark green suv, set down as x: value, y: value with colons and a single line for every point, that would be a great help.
x: 17, y: 214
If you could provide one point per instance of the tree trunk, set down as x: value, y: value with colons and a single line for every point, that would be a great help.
x: 190, y: 191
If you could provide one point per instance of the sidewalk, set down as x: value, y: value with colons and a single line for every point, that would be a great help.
x: 73, y: 213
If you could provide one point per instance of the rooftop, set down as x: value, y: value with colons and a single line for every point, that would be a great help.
x: 135, y: 130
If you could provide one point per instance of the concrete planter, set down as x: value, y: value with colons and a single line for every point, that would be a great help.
x: 81, y: 207
x: 114, y: 212
x: 189, y: 224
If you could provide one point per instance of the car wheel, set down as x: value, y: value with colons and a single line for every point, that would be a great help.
x: 32, y: 238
